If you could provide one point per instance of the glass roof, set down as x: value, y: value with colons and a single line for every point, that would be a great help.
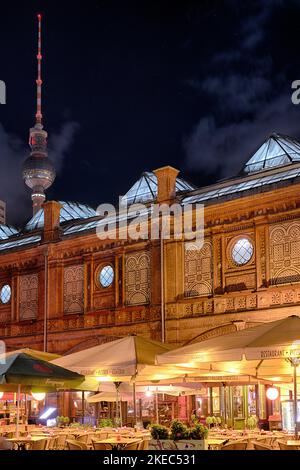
x: 122, y: 216
x: 7, y: 231
x: 69, y: 211
x: 145, y: 189
x: 275, y: 151
x: 19, y: 242
x: 244, y: 185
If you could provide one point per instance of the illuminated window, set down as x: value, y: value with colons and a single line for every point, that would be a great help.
x: 242, y: 251
x: 5, y: 294
x: 106, y: 276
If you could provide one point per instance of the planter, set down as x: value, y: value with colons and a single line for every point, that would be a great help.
x: 167, y: 444
x: 154, y: 444
x: 191, y: 444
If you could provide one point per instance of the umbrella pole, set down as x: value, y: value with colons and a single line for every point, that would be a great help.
x: 156, y: 407
x: 295, y: 400
x: 134, y: 403
x: 18, y: 410
x: 121, y: 414
x: 117, y: 385
x: 82, y: 407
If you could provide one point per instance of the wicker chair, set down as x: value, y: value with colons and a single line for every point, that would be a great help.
x: 61, y: 441
x: 284, y: 446
x: 5, y: 444
x: 133, y: 446
x: 82, y: 438
x: 235, y: 445
x: 143, y: 445
x: 261, y: 446
x: 74, y: 445
x: 101, y: 446
x: 51, y: 443
x: 38, y: 445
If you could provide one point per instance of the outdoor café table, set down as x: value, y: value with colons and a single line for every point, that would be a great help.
x: 213, y: 443
x: 118, y: 443
x: 22, y: 441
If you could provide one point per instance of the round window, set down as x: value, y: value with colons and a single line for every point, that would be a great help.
x: 242, y: 251
x: 5, y: 294
x: 106, y: 276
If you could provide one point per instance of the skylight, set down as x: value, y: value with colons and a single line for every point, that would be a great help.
x: 7, y: 231
x: 69, y: 211
x: 244, y: 185
x: 277, y: 150
x: 145, y: 189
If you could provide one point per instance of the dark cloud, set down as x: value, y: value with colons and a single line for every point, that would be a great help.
x: 248, y: 99
x: 224, y: 148
x: 60, y: 142
x: 12, y: 154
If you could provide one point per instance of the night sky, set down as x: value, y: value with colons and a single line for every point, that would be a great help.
x: 132, y: 86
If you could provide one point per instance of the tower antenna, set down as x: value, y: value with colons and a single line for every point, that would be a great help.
x: 39, y: 80
x: 38, y: 171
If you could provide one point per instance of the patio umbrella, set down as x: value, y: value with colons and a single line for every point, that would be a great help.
x: 29, y: 368
x: 266, y: 351
x: 130, y: 359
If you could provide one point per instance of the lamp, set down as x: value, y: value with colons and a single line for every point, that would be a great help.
x: 1, y: 395
x: 272, y: 393
x: 38, y: 396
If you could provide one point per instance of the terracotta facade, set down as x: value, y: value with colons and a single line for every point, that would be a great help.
x: 206, y: 293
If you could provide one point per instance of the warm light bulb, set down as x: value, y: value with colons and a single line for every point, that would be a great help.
x: 148, y: 393
x: 38, y: 396
x: 272, y: 393
x: 1, y: 395
x: 105, y: 378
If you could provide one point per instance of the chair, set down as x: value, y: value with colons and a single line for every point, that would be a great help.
x: 284, y: 446
x: 261, y: 446
x: 235, y: 445
x: 133, y: 446
x: 61, y: 441
x: 73, y: 445
x: 101, y: 446
x: 38, y: 445
x: 82, y: 438
x: 5, y: 444
x: 143, y: 445
x: 51, y: 443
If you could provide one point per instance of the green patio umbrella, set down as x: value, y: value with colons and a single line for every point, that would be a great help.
x: 29, y: 368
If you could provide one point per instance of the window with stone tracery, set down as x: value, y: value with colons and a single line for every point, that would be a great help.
x: 28, y: 303
x: 198, y: 270
x: 137, y: 278
x: 73, y: 289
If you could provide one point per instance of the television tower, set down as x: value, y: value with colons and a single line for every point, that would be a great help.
x: 38, y: 171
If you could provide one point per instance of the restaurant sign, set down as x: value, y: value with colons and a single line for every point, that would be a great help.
x: 273, y: 353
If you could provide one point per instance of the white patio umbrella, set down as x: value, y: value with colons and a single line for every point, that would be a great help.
x: 130, y: 359
x: 267, y: 351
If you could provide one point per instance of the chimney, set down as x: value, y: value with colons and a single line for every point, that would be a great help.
x: 51, y: 220
x: 166, y: 183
